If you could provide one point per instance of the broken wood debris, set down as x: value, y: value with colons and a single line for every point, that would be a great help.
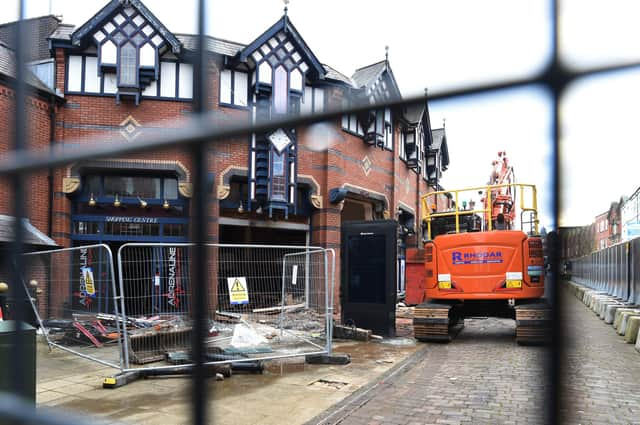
x: 351, y: 332
x: 279, y: 308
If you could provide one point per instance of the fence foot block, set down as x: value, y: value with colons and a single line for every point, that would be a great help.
x: 121, y: 379
x: 336, y: 358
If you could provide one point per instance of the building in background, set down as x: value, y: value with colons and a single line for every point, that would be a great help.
x: 602, y: 231
x: 576, y: 241
x: 630, y: 217
x: 613, y: 218
x: 123, y: 74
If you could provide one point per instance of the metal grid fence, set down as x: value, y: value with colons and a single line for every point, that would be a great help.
x: 266, y: 302
x: 555, y: 77
x: 77, y: 307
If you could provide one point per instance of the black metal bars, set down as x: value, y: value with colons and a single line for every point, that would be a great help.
x: 200, y: 131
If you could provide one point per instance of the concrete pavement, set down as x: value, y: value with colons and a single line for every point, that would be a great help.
x: 483, y: 377
x: 288, y: 392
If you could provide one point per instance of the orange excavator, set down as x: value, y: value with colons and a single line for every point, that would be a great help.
x: 485, y: 261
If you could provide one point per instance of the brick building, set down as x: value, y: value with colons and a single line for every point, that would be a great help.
x: 602, y: 231
x: 123, y: 73
x: 40, y: 105
x: 613, y: 221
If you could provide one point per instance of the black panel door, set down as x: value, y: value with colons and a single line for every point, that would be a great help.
x: 368, y: 285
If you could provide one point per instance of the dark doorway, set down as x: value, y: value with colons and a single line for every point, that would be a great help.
x: 261, y: 236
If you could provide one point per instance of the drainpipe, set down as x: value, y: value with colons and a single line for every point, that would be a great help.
x: 52, y: 129
x: 417, y: 218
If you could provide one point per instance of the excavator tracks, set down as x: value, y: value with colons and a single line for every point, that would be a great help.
x: 434, y: 322
x: 533, y: 324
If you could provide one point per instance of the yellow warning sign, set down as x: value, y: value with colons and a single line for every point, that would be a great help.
x: 87, y: 274
x: 238, y: 292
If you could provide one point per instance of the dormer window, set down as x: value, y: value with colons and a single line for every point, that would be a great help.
x: 377, y: 127
x: 279, y: 72
x: 129, y: 45
x: 126, y: 51
x: 433, y: 172
x: 410, y: 148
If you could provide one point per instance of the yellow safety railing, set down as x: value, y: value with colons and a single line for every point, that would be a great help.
x: 526, y: 195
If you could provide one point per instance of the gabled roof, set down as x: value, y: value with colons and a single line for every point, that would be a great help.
x: 367, y: 77
x: 212, y: 44
x: 37, y: 29
x: 189, y: 41
x: 284, y: 24
x: 439, y: 137
x: 414, y: 113
x: 8, y: 69
x: 63, y: 32
x: 111, y: 9
x: 333, y: 74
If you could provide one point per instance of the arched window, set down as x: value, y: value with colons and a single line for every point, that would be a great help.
x: 280, y: 91
x: 128, y: 65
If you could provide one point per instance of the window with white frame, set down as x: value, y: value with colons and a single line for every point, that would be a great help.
x: 128, y: 66
x: 234, y: 88
x: 278, y: 176
x: 312, y: 100
x: 388, y: 130
x: 351, y: 124
x: 175, y: 79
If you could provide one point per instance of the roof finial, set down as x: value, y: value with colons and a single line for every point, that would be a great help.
x: 386, y: 53
x: 444, y: 122
x: 426, y: 91
x: 286, y: 9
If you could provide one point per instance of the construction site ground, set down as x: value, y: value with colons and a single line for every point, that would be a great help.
x: 289, y: 391
x: 483, y: 376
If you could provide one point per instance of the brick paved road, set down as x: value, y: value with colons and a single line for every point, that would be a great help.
x: 483, y: 377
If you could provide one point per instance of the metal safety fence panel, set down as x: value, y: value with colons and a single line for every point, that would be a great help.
x: 634, y: 271
x: 73, y: 295
x: 263, y: 302
x: 614, y: 270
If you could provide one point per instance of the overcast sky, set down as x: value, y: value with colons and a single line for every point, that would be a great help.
x: 443, y: 44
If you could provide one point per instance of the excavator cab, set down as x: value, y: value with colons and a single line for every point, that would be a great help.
x: 498, y: 210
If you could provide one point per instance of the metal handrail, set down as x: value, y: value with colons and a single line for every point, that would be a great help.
x: 428, y: 215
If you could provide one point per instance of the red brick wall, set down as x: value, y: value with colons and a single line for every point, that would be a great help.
x: 601, y: 231
x: 38, y: 138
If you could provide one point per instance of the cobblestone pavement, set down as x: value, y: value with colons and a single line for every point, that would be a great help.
x: 483, y: 377
x: 602, y: 371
